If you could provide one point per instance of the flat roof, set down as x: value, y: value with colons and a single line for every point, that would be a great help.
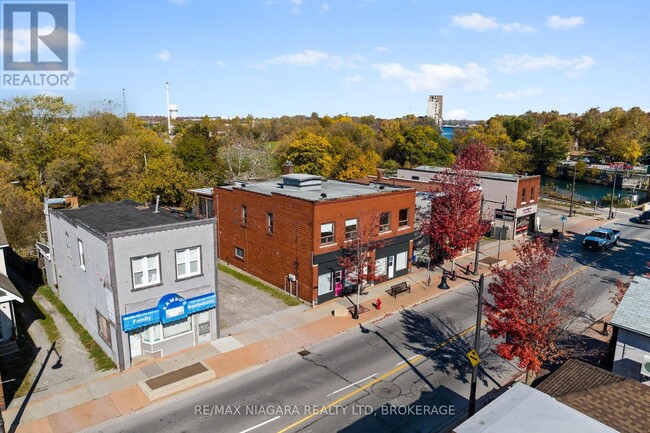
x: 524, y: 409
x: 333, y: 189
x: 481, y: 174
x: 202, y: 191
x: 105, y: 218
x: 633, y: 313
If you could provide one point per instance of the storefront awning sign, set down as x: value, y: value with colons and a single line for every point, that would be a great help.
x: 171, y: 307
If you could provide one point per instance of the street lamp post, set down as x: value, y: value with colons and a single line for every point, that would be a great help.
x: 479, y: 286
x: 611, y: 203
x: 573, y: 188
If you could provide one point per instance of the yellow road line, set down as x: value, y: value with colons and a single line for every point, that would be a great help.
x: 379, y: 379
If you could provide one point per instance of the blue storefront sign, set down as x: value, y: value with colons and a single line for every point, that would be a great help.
x: 171, y: 307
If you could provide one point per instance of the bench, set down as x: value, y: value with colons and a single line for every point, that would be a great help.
x: 399, y: 288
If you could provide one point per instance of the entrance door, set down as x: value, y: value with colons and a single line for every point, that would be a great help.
x: 135, y: 342
x: 391, y: 267
x: 203, y: 332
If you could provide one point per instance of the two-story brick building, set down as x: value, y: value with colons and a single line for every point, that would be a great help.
x: 141, y: 280
x: 289, y: 232
x: 516, y: 197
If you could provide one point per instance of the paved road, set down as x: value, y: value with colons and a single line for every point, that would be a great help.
x: 406, y: 373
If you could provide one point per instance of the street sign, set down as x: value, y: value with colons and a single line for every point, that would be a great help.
x: 563, y: 218
x: 473, y: 357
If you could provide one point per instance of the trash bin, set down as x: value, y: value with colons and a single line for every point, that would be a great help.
x: 556, y: 233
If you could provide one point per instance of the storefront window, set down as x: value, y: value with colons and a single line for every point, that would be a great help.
x: 177, y: 328
x: 151, y: 334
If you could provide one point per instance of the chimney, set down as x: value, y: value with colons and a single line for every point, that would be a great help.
x: 287, y: 167
x: 380, y: 175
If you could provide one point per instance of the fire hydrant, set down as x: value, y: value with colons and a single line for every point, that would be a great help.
x: 378, y: 304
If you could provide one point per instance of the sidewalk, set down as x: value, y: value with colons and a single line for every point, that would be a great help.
x: 112, y: 396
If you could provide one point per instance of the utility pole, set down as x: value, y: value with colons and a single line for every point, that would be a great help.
x: 169, y: 113
x: 478, y: 242
x: 611, y: 203
x: 573, y: 188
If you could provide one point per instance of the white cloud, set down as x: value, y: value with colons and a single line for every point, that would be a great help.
x: 178, y: 2
x: 556, y: 22
x: 456, y: 114
x: 436, y: 77
x: 480, y: 23
x: 324, y: 8
x: 474, y: 21
x: 520, y: 93
x: 512, y: 64
x: 164, y: 55
x: 312, y: 58
x: 517, y: 28
x: 381, y: 49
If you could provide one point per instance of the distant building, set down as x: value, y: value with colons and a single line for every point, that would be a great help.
x: 517, y: 196
x: 631, y: 324
x: 290, y: 231
x: 142, y: 281
x: 8, y: 294
x: 434, y: 109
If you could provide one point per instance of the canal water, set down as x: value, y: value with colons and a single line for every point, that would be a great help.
x: 588, y: 191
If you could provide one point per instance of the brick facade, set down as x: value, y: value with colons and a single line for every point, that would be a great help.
x: 295, y: 244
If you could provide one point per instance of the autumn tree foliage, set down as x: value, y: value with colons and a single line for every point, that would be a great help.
x: 531, y: 309
x: 476, y: 156
x: 358, y: 250
x: 454, y: 222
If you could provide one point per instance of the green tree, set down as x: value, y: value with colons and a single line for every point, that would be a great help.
x: 310, y: 153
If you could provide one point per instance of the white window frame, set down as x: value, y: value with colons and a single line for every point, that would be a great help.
x: 184, y: 255
x: 82, y: 257
x: 400, y: 222
x: 269, y: 223
x: 144, y: 260
x: 187, y: 320
x: 384, y: 228
x: 243, y: 253
x: 327, y: 239
x: 352, y: 234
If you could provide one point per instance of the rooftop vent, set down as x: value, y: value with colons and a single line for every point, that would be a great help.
x: 323, y: 195
x: 301, y: 182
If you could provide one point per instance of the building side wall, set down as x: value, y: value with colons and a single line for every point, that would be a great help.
x: 84, y: 292
x: 527, y: 183
x: 165, y: 243
x: 628, y: 356
x: 270, y: 257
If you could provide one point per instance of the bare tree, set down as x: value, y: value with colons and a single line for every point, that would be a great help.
x: 245, y: 158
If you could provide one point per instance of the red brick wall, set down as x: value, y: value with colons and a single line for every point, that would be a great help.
x: 296, y: 231
x: 269, y: 257
x: 528, y: 183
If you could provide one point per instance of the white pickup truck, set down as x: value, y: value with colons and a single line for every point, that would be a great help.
x: 601, y: 238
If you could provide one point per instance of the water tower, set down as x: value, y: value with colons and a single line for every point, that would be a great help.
x: 173, y: 111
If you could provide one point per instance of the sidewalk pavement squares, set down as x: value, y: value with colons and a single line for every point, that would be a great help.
x: 226, y: 344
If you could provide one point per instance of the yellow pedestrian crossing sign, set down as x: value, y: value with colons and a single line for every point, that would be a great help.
x: 472, y: 355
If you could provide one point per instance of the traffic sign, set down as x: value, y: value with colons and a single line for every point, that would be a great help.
x: 473, y: 357
x: 563, y: 218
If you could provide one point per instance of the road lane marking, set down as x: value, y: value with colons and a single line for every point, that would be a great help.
x: 407, y: 360
x: 352, y: 384
x: 260, y: 425
x: 324, y: 409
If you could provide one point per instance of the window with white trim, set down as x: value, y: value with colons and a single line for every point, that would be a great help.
x: 177, y: 328
x: 82, y: 258
x: 188, y: 262
x: 151, y: 334
x: 146, y: 271
x: 239, y: 253
x: 327, y: 233
x: 384, y: 222
x: 523, y: 196
x: 244, y: 216
x: 269, y: 223
x: 403, y: 220
x: 351, y: 229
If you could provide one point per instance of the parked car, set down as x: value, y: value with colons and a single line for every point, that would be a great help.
x: 644, y: 218
x: 601, y: 238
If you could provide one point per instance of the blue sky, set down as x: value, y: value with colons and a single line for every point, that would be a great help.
x: 380, y: 57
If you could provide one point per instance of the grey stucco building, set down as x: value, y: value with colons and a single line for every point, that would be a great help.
x: 631, y: 323
x: 142, y: 281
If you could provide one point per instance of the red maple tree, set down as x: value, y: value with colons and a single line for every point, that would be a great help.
x: 358, y: 251
x: 453, y: 222
x: 531, y: 309
x: 476, y: 156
